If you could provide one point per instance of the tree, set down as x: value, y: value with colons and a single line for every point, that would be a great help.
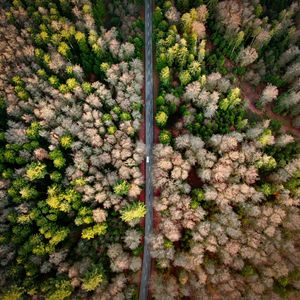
x: 165, y: 76
x: 13, y: 293
x: 197, y: 198
x: 121, y: 188
x: 157, y: 16
x: 172, y: 15
x: 93, y: 279
x: 64, y: 50
x: 99, y: 12
x: 58, y: 159
x: 133, y: 212
x: 66, y: 141
x: 185, y: 77
x: 187, y: 21
x: 59, y: 289
x: 36, y: 171
x: 195, y: 69
x: 247, y: 56
x: 161, y: 119
x: 165, y: 137
x: 199, y: 29
x: 269, y: 93
x: 96, y: 230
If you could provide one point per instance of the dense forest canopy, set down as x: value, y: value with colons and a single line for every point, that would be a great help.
x: 227, y: 167
x: 71, y: 108
x: 226, y: 160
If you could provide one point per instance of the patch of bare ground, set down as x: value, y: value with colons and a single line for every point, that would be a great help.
x: 252, y: 94
x: 92, y: 77
x: 177, y: 131
x: 209, y: 46
x: 229, y: 64
x: 193, y: 180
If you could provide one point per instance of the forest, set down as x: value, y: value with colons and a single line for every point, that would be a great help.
x: 226, y: 172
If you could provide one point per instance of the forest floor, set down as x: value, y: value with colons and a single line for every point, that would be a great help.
x: 251, y: 95
x: 193, y: 180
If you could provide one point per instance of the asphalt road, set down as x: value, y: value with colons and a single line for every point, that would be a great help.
x: 149, y: 117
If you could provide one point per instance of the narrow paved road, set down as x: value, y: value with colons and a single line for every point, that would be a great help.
x: 149, y: 148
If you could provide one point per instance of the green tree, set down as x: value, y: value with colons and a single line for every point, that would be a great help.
x: 187, y: 21
x: 160, y: 101
x: 13, y: 293
x: 58, y: 159
x: 165, y: 137
x: 57, y: 288
x: 185, y: 77
x: 36, y: 171
x: 157, y: 16
x: 99, y: 12
x: 81, y: 40
x: 133, y: 212
x: 165, y: 76
x: 66, y: 141
x: 197, y: 198
x: 161, y: 61
x: 64, y: 50
x: 121, y: 188
x: 91, y: 232
x: 93, y: 279
x: 161, y: 119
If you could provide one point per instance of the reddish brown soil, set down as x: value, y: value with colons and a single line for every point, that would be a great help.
x: 251, y: 95
x: 156, y: 220
x: 209, y: 46
x: 92, y: 77
x: 142, y: 138
x: 175, y: 132
x: 175, y: 83
x: 229, y: 64
x: 193, y: 180
x: 156, y: 134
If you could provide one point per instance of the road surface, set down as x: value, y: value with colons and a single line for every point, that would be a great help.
x: 149, y: 117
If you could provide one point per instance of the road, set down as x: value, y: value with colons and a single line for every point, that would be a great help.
x: 149, y: 117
